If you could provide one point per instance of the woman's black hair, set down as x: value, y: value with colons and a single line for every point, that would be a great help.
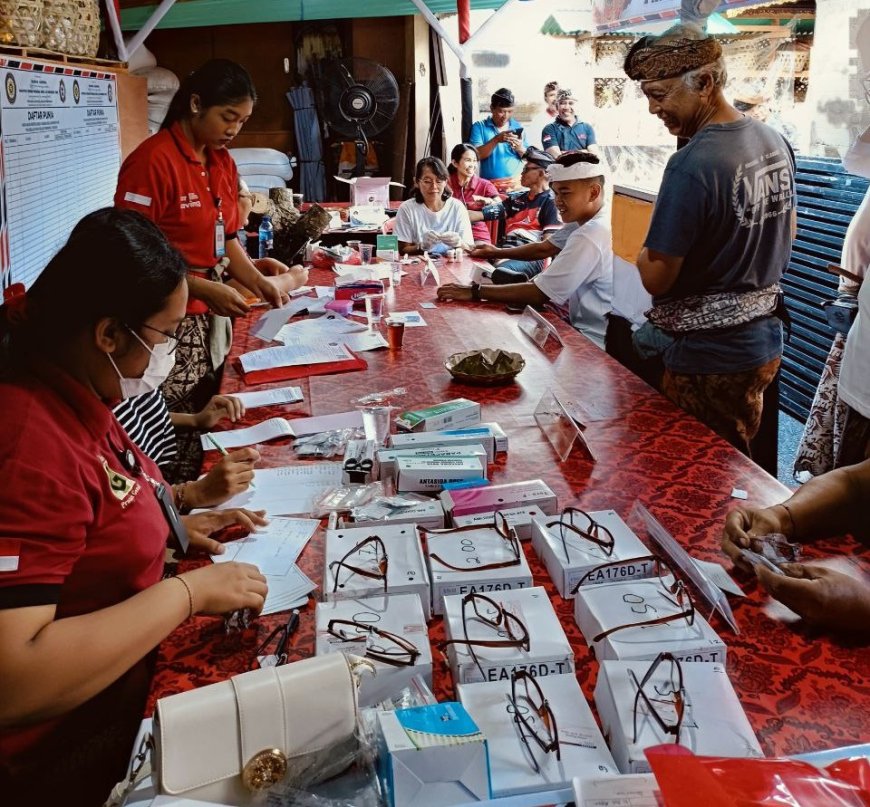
x: 436, y: 167
x: 218, y: 82
x: 458, y: 153
x: 116, y: 263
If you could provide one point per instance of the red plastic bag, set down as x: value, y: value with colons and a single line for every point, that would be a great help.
x: 686, y: 780
x: 320, y: 260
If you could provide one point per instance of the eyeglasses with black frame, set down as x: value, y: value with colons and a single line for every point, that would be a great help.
x: 673, y: 696
x: 280, y: 638
x: 676, y: 593
x: 574, y: 521
x: 490, y: 613
x: 171, y: 338
x: 371, y: 550
x: 501, y: 526
x: 526, y: 694
x: 392, y: 649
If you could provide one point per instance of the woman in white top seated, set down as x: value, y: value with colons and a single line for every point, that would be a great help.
x: 432, y: 220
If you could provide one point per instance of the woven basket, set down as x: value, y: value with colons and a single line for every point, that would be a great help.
x: 20, y: 22
x: 71, y: 26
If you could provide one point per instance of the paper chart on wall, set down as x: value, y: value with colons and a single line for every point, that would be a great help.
x: 61, y: 157
x: 291, y: 490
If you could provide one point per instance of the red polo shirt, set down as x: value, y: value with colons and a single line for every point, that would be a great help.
x: 77, y: 529
x: 476, y: 187
x: 164, y: 180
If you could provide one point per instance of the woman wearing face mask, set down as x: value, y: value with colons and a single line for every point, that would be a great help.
x: 473, y: 191
x: 82, y: 602
x: 186, y: 182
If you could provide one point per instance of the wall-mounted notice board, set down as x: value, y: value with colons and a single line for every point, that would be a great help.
x: 59, y: 138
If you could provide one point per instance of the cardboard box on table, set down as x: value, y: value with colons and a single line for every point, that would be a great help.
x: 582, y: 747
x: 429, y: 514
x: 432, y: 756
x: 500, y: 497
x: 406, y: 566
x: 584, y: 556
x: 599, y: 608
x: 549, y: 651
x: 714, y: 723
x: 401, y: 614
x: 520, y: 518
x: 387, y: 458
x: 456, y: 414
x: 431, y: 474
x: 469, y: 550
x: 474, y: 436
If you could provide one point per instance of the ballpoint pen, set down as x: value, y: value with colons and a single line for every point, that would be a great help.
x: 223, y: 451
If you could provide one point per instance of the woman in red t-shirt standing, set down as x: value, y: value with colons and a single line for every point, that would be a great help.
x: 473, y: 191
x: 186, y: 182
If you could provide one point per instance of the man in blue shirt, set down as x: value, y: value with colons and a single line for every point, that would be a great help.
x: 566, y: 133
x: 500, y: 143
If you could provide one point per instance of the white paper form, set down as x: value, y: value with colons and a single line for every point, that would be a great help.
x: 288, y: 491
x: 270, y: 429
x: 274, y: 319
x: 273, y: 549
x: 329, y: 326
x: 287, y: 591
x: 294, y: 353
x: 631, y: 790
x: 363, y: 341
x: 324, y: 423
x: 269, y: 397
x: 412, y: 319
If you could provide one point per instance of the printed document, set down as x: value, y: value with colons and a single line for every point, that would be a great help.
x: 287, y: 491
x: 274, y: 319
x: 273, y: 549
x: 269, y: 397
x: 270, y: 429
x: 295, y: 352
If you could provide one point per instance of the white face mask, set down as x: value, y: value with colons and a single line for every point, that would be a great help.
x: 159, y: 367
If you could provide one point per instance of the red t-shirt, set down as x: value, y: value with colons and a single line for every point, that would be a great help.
x: 77, y: 528
x: 164, y: 180
x: 476, y: 187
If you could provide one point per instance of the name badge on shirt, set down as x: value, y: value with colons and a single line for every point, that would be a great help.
x: 220, y: 239
x: 177, y: 530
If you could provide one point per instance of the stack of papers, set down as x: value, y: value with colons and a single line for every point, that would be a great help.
x: 271, y: 322
x: 329, y: 326
x: 294, y: 353
x: 269, y: 397
x: 290, y: 490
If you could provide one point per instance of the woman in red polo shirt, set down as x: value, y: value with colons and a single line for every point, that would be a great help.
x: 186, y: 182
x: 473, y: 191
x: 82, y: 533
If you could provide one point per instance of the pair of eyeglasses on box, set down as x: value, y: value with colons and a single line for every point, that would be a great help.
x: 666, y: 704
x: 500, y: 525
x: 508, y: 628
x: 674, y: 592
x: 574, y: 523
x: 380, y: 644
x: 533, y: 718
x: 367, y: 558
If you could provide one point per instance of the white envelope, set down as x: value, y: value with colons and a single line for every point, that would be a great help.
x: 714, y: 723
x: 401, y: 614
x: 549, y: 650
x: 599, y: 608
x: 406, y: 567
x: 582, y: 747
x: 584, y: 556
x: 468, y: 550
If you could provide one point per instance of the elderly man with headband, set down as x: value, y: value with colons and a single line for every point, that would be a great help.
x: 581, y: 275
x: 567, y: 132
x: 719, y: 240
x: 500, y: 142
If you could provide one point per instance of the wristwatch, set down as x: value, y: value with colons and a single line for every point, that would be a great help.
x: 475, y: 292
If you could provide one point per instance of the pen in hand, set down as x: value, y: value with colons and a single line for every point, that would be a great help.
x: 224, y: 452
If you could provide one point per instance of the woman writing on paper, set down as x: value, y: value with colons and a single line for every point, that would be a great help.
x: 432, y: 220
x: 82, y: 602
x: 186, y: 182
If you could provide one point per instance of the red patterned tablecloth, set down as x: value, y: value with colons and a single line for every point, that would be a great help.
x: 801, y: 692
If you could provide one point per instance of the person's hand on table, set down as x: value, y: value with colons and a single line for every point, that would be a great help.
x: 271, y: 266
x: 201, y: 526
x: 218, y: 408
x: 230, y: 475
x: 223, y: 300
x: 300, y: 272
x: 454, y: 291
x: 269, y: 292
x: 823, y: 597
x: 743, y: 524
x: 483, y: 251
x: 220, y: 588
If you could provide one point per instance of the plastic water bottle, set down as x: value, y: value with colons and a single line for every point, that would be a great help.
x: 267, y: 234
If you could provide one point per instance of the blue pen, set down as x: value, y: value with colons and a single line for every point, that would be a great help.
x: 223, y: 451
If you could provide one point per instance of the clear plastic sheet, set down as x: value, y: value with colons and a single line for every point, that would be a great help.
x: 383, y: 507
x: 383, y: 398
x: 346, y: 498
x: 325, y: 444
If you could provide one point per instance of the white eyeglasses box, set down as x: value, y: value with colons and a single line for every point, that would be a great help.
x: 584, y: 555
x: 470, y: 550
x: 388, y: 457
x: 500, y: 497
x: 427, y: 513
x: 549, y: 650
x: 511, y: 762
x: 431, y: 474
x: 600, y: 608
x: 713, y: 723
x: 399, y: 614
x: 520, y: 518
x: 406, y: 566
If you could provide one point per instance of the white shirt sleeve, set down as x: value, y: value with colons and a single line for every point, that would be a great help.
x: 405, y: 228
x: 462, y: 222
x: 577, y: 263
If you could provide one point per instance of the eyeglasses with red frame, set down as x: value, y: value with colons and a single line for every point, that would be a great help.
x: 393, y: 649
x: 501, y: 526
x: 527, y: 695
x: 370, y: 550
x: 574, y: 521
x: 671, y: 696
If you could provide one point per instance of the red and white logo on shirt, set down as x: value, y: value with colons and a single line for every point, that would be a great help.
x: 10, y: 552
